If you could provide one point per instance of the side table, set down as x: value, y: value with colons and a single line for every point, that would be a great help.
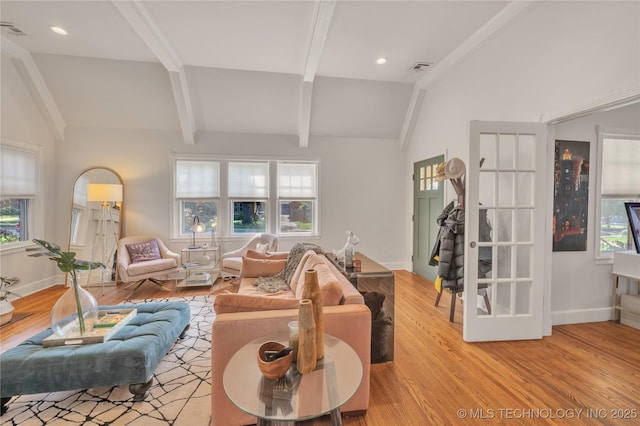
x: 201, y: 266
x: 373, y: 277
x: 294, y: 397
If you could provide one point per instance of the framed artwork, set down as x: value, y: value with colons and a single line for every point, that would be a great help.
x: 633, y: 212
x: 570, y: 195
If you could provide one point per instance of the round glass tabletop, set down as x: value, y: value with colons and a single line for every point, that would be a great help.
x: 293, y: 397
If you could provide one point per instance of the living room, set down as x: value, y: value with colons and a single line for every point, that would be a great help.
x: 537, y: 67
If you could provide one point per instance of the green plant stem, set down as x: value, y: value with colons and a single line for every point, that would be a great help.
x: 74, y: 278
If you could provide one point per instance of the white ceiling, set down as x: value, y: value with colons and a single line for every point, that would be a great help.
x: 202, y: 41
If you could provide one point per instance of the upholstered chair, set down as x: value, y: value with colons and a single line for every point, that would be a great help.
x: 141, y: 258
x: 232, y: 260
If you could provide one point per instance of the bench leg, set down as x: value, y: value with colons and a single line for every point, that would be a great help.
x: 139, y: 390
x: 3, y: 404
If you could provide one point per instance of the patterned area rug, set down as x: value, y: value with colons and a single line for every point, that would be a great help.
x: 180, y: 394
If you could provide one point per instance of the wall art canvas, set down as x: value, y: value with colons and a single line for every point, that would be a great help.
x: 570, y: 195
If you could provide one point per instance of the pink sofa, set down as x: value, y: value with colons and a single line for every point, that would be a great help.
x: 249, y: 314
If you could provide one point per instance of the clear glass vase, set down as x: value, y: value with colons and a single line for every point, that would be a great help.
x: 64, y: 315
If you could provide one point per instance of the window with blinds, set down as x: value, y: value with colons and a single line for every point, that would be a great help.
x: 19, y: 177
x: 240, y: 197
x: 197, y: 192
x: 297, y: 196
x: 619, y: 183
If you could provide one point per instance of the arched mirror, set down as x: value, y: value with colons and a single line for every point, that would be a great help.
x: 96, y: 221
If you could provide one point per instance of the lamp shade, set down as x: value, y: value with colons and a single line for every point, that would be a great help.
x: 104, y: 192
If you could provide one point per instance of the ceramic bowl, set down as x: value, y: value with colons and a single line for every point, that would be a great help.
x: 276, y: 368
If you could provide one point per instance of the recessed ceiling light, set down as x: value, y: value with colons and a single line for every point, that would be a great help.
x: 58, y: 30
x: 381, y: 61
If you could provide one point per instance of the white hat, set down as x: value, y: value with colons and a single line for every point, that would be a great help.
x: 454, y: 168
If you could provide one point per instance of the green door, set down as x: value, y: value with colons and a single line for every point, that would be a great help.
x: 428, y: 202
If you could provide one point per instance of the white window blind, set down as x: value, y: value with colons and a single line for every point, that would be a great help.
x: 197, y: 179
x: 297, y: 180
x: 248, y: 180
x: 19, y: 173
x: 620, y: 171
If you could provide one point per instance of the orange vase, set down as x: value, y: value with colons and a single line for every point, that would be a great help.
x: 312, y: 292
x: 306, y: 337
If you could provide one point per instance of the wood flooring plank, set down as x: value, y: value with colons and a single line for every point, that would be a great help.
x: 435, y: 373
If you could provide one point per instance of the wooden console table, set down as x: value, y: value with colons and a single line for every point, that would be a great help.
x: 373, y: 277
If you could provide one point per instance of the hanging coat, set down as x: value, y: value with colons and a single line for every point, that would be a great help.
x: 435, y: 252
x: 451, y: 257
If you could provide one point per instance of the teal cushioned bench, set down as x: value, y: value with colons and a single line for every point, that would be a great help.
x: 129, y: 357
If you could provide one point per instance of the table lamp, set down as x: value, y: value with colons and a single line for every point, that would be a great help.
x: 197, y: 227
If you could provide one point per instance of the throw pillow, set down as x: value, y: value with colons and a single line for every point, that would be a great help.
x: 254, y: 268
x: 262, y: 248
x: 141, y: 252
x: 273, y: 256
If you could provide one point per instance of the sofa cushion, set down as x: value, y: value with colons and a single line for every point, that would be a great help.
x: 144, y: 251
x: 233, y: 302
x: 253, y: 268
x: 268, y: 255
x: 330, y: 287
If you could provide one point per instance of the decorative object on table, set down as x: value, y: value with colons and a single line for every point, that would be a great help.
x: 274, y: 359
x: 108, y: 322
x: 570, y: 195
x: 312, y: 292
x: 345, y: 254
x: 294, y: 335
x: 198, y: 227
x: 77, y: 304
x: 6, y: 308
x: 212, y: 240
x: 633, y: 212
x: 307, y: 337
x: 105, y: 193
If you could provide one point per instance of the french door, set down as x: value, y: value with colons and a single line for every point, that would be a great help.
x: 505, y: 216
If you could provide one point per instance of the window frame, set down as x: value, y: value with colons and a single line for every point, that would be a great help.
x: 609, y: 133
x: 224, y: 230
x: 313, y: 199
x: 34, y: 224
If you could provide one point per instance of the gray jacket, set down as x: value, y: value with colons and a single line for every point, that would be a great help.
x: 451, y: 257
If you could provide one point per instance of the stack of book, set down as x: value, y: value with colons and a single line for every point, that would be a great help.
x: 203, y: 278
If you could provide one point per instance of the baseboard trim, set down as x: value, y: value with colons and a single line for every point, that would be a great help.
x: 36, y: 286
x: 579, y: 316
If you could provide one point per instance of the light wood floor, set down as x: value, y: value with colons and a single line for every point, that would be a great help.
x: 438, y: 379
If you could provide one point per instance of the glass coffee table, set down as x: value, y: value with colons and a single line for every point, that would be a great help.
x: 294, y: 397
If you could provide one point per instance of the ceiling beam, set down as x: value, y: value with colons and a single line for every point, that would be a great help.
x: 37, y: 87
x: 415, y: 104
x: 497, y: 23
x: 322, y: 17
x: 144, y: 25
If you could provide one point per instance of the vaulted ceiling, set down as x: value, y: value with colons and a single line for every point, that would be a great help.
x: 305, y: 68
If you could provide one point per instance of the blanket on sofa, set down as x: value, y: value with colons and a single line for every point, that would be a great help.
x: 282, y: 280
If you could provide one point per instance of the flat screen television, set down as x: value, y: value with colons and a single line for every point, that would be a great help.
x: 633, y: 212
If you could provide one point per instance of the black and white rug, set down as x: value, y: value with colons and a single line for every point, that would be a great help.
x: 180, y: 394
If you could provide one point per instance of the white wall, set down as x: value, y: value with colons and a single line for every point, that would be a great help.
x: 22, y: 123
x: 556, y: 58
x: 359, y: 186
x: 594, y: 301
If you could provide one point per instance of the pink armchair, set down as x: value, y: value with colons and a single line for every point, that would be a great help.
x: 140, y: 271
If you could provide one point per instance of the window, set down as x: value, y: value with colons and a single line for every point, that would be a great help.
x: 245, y: 197
x: 248, y: 191
x: 297, y: 196
x: 19, y: 189
x: 619, y: 182
x: 197, y: 194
